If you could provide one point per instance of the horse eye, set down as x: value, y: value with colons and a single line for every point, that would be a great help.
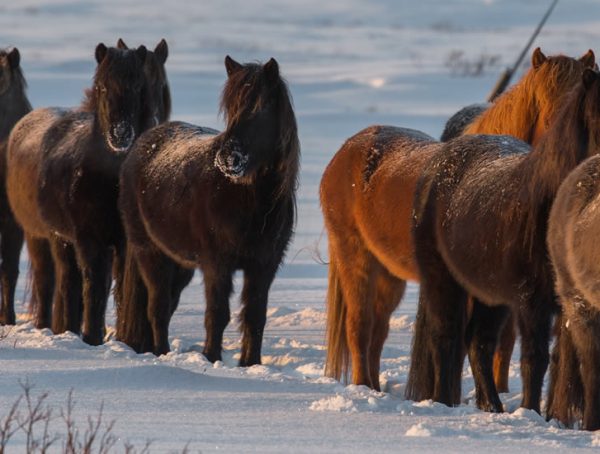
x: 101, y: 88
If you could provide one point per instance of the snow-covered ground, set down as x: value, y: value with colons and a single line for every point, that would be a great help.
x: 349, y: 64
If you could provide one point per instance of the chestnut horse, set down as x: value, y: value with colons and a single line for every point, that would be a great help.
x: 481, y: 214
x: 70, y: 160
x: 220, y: 202
x: 368, y: 217
x: 573, y: 229
x: 13, y: 106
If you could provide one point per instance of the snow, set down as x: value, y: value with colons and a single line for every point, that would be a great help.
x: 349, y: 64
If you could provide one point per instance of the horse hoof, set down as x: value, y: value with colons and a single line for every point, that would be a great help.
x: 92, y: 340
x: 7, y: 320
x: 212, y: 356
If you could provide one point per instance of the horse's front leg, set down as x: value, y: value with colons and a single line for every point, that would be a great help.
x: 257, y: 282
x: 217, y: 288
x: 67, y: 290
x: 95, y: 264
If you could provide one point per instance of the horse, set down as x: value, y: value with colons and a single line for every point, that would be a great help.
x: 368, y: 217
x: 13, y: 106
x: 574, y: 392
x: 481, y: 213
x: 216, y: 201
x: 457, y: 123
x: 68, y: 209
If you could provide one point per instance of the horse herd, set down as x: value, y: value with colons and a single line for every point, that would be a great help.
x: 497, y: 222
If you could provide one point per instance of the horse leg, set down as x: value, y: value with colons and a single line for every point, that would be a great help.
x: 11, y: 242
x: 217, y: 287
x: 95, y: 264
x: 481, y: 339
x: 66, y: 315
x: 534, y: 325
x: 255, y: 293
x: 181, y: 279
x: 503, y: 354
x: 444, y: 303
x: 585, y: 331
x: 388, y: 293
x: 156, y: 271
x: 42, y: 268
x: 565, y: 390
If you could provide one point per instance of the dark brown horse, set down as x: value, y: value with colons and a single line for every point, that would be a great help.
x: 70, y: 160
x: 573, y: 231
x: 461, y: 120
x: 481, y: 213
x: 367, y: 194
x: 13, y: 106
x: 219, y: 202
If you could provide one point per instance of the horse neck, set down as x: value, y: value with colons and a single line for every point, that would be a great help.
x: 558, y: 152
x: 13, y: 106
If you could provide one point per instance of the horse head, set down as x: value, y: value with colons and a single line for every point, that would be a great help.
x: 261, y: 126
x: 158, y: 94
x: 118, y: 95
x: 551, y: 79
x: 10, y: 71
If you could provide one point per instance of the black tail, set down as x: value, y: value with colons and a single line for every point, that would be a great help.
x: 565, y: 391
x: 133, y: 327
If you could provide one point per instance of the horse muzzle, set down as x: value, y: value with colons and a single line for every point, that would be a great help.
x: 232, y: 161
x: 121, y: 136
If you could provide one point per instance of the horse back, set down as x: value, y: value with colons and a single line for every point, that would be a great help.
x: 469, y: 200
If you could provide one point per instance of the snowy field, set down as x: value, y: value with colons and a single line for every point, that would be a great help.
x: 350, y: 64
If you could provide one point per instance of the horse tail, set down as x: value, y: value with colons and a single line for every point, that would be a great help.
x: 133, y: 326
x: 565, y: 392
x: 338, y: 354
x: 420, y: 379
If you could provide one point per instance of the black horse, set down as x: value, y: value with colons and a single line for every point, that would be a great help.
x: 220, y: 202
x: 70, y: 160
x: 481, y: 214
x: 13, y: 106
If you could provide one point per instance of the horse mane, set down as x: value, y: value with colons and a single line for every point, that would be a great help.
x: 560, y: 150
x: 243, y: 92
x: 516, y: 112
x: 17, y: 73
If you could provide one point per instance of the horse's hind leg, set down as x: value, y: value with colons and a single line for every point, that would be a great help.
x: 388, y: 293
x: 534, y: 325
x: 11, y: 242
x: 43, y: 279
x: 217, y: 287
x: 481, y: 339
x: 503, y: 354
x: 585, y: 330
x: 156, y: 271
x: 68, y: 303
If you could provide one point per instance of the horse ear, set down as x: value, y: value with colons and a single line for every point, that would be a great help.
x: 121, y: 44
x: 589, y: 76
x: 162, y: 51
x: 231, y: 65
x: 272, y: 69
x: 589, y: 59
x: 141, y: 53
x: 538, y: 58
x: 101, y: 52
x: 14, y: 58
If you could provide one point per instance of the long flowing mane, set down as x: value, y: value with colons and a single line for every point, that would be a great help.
x: 536, y: 96
x: 572, y: 138
x: 245, y: 92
